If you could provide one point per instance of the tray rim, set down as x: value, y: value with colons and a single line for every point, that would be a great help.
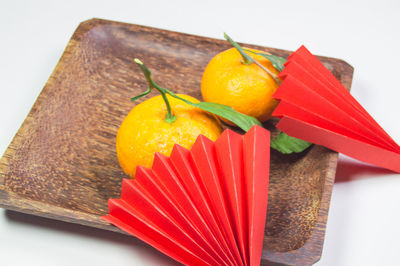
x: 12, y: 201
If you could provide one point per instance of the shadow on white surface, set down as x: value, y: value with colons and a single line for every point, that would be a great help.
x: 358, y: 186
x: 353, y: 170
x: 156, y: 257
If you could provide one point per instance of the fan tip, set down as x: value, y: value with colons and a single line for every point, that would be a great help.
x: 201, y: 139
x: 160, y: 156
x: 302, y: 47
x: 227, y: 135
x: 126, y: 181
x: 178, y: 149
x: 141, y: 170
x: 257, y: 130
x: 106, y: 218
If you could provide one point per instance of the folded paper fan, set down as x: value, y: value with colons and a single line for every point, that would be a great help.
x: 314, y: 106
x: 204, y: 206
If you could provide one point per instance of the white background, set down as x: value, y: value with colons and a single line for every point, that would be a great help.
x: 363, y: 224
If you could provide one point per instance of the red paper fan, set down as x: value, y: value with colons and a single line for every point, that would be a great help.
x: 206, y: 206
x: 315, y: 107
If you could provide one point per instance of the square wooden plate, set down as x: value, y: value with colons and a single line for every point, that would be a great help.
x: 62, y: 162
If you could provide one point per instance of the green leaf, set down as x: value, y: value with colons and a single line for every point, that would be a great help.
x: 275, y: 60
x: 287, y: 144
x: 243, y: 121
x: 246, y: 58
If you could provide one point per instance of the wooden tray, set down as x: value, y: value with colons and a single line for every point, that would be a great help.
x: 62, y: 162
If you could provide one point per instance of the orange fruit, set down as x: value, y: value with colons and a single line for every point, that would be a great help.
x: 246, y: 88
x: 144, y: 131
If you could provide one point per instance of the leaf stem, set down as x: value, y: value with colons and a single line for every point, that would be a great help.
x: 170, y: 118
x: 248, y: 60
x: 179, y: 98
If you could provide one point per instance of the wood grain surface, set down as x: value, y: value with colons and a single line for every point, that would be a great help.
x: 62, y: 163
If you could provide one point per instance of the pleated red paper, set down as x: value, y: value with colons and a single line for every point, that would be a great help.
x: 314, y: 106
x: 204, y: 206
